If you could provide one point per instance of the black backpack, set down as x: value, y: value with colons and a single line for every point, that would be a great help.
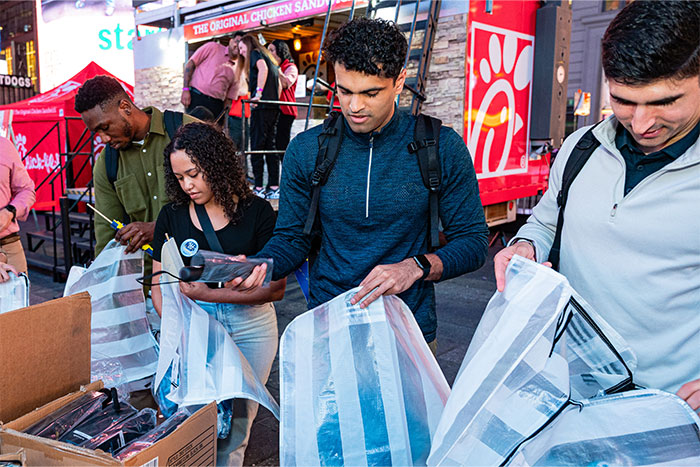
x: 425, y: 144
x: 171, y: 120
x: 577, y: 159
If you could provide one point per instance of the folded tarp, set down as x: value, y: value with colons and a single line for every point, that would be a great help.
x: 358, y: 386
x: 199, y: 362
x: 541, y: 361
x: 121, y: 336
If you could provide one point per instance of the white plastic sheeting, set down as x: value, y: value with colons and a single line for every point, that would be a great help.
x: 358, y: 386
x: 120, y: 331
x: 205, y: 363
x: 535, y: 385
x: 14, y: 293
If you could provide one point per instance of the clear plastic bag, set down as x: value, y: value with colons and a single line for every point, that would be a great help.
x: 199, y: 362
x: 14, y: 293
x: 643, y: 427
x: 161, y: 431
x: 100, y: 421
x: 122, y: 433
x: 358, y: 386
x: 61, y: 421
x: 539, y: 361
x: 120, y: 329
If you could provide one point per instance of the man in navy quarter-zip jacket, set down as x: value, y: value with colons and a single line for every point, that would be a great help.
x: 373, y: 210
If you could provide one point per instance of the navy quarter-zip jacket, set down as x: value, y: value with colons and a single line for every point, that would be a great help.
x: 374, y: 210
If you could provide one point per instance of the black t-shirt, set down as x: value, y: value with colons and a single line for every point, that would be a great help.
x: 270, y: 88
x: 250, y: 233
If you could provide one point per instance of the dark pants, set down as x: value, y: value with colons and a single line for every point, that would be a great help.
x: 215, y: 106
x: 284, y: 130
x: 262, y: 137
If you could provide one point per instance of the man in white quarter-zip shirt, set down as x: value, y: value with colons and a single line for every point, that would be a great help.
x: 630, y: 241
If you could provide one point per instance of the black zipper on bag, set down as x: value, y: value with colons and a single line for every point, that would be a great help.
x: 627, y: 383
x: 538, y: 431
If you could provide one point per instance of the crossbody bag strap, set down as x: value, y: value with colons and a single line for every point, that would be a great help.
x: 207, y: 228
x: 577, y: 159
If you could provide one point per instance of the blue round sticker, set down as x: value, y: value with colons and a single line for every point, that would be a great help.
x: 189, y: 247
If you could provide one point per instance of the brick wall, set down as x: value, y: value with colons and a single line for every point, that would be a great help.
x: 159, y: 87
x: 445, y: 87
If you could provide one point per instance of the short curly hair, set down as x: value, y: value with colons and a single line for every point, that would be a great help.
x: 372, y: 46
x: 649, y: 41
x: 215, y: 155
x: 101, y: 90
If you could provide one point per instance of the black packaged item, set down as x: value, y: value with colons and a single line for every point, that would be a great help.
x: 61, y: 421
x: 156, y: 434
x: 112, y: 414
x: 120, y: 434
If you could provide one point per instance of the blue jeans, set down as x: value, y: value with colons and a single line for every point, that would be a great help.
x: 254, y: 330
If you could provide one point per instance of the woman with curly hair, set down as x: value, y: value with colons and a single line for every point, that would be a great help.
x: 201, y: 169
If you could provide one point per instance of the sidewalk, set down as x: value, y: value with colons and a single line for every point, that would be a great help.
x: 460, y: 303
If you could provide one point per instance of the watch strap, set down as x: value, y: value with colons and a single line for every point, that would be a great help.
x: 13, y: 210
x: 424, y: 264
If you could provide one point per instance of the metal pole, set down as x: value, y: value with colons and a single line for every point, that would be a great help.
x: 396, y: 15
x: 352, y: 10
x: 318, y: 63
x: 410, y: 36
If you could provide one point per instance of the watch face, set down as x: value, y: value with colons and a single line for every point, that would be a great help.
x: 423, y: 262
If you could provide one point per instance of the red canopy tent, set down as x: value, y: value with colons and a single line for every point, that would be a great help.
x: 53, y: 141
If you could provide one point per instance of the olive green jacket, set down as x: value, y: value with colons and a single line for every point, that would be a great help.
x: 138, y: 193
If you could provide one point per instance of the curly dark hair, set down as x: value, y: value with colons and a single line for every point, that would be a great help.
x: 648, y: 41
x: 215, y: 155
x: 283, y: 51
x: 101, y: 90
x: 372, y: 46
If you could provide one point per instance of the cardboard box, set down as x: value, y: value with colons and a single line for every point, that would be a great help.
x: 44, y: 354
x: 46, y: 347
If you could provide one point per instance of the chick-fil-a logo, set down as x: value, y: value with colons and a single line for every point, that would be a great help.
x: 46, y: 162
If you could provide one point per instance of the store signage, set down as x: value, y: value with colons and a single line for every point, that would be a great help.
x: 16, y: 81
x: 278, y: 12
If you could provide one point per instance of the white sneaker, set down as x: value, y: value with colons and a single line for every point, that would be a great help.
x: 109, y: 10
x: 259, y: 192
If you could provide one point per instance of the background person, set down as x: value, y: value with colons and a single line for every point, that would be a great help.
x: 139, y: 136
x: 263, y: 83
x: 200, y: 168
x: 17, y: 198
x: 289, y: 73
x: 630, y: 243
x: 210, y: 78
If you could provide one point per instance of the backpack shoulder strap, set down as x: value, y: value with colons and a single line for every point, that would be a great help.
x: 111, y: 163
x: 426, y: 145
x: 329, y: 142
x: 172, y: 121
x: 577, y: 159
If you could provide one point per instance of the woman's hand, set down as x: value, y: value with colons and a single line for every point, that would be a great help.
x: 195, y: 290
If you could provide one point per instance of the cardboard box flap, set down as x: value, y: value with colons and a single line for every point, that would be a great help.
x: 44, y: 353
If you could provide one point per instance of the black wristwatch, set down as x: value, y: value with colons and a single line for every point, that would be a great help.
x: 13, y: 210
x: 423, y: 264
